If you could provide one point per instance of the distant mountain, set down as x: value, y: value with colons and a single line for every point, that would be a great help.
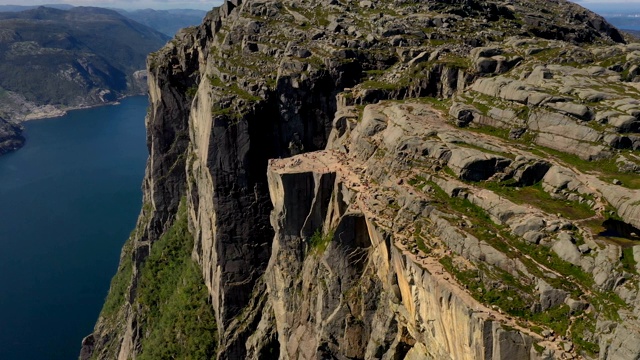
x: 166, y: 21
x: 624, y: 21
x: 634, y: 33
x: 12, y: 8
x: 70, y: 58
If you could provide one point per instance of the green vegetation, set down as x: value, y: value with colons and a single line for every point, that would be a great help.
x: 510, y: 296
x: 556, y: 318
x: 547, y: 55
x: 500, y: 238
x: 439, y: 104
x: 319, y: 241
x: 227, y: 112
x: 381, y: 85
x: 536, y: 196
x: 607, y: 168
x: 580, y: 327
x: 215, y: 81
x: 539, y: 348
x: 422, y: 246
x: 179, y: 320
x: 628, y: 262
x: 546, y: 256
x: 492, y: 131
x: 486, y: 230
x: 192, y: 91
x: 456, y: 62
x: 413, y: 76
x: 120, y: 283
x: 236, y: 90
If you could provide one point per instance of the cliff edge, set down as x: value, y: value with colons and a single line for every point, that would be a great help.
x: 396, y: 179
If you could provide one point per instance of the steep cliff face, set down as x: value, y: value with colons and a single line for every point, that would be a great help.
x: 367, y: 180
x: 350, y: 289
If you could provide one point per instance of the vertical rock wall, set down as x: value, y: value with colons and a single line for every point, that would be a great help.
x: 352, y: 293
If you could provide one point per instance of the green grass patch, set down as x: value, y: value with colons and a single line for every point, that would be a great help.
x: 374, y: 72
x: 536, y: 196
x: 417, y: 235
x: 320, y: 241
x: 490, y: 130
x: 119, y: 283
x: 539, y: 348
x: 192, y: 91
x: 439, y: 104
x: 556, y: 318
x: 379, y: 85
x: 483, y: 227
x: 628, y: 262
x: 215, y: 81
x: 179, y: 320
x: 607, y: 168
x: 455, y: 62
x: 580, y: 326
x: 508, y: 297
x: 549, y: 258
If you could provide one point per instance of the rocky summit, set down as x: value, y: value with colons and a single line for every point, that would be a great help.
x: 339, y: 179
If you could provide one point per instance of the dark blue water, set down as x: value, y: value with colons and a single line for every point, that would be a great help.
x: 68, y: 201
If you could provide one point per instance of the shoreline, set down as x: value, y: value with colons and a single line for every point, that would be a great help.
x: 47, y: 112
x: 51, y: 111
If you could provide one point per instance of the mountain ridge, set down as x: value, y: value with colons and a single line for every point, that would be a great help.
x: 54, y: 60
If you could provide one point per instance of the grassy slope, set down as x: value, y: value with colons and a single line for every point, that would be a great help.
x: 171, y: 296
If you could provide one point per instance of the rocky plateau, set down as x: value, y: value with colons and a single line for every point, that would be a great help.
x: 452, y: 179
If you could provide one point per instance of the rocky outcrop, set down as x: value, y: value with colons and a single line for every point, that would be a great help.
x: 10, y: 136
x: 355, y: 291
x: 373, y: 183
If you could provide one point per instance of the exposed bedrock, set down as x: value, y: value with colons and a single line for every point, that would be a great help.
x: 352, y: 292
x: 366, y: 181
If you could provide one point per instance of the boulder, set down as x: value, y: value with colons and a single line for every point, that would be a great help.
x: 578, y: 110
x: 566, y: 249
x: 463, y: 114
x: 475, y: 165
x: 479, y: 52
x: 539, y: 75
x: 486, y: 65
x: 549, y: 296
x: 528, y: 172
x: 625, y: 123
x: 576, y: 306
x: 531, y: 223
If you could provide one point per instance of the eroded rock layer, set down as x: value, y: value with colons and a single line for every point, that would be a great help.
x: 389, y: 180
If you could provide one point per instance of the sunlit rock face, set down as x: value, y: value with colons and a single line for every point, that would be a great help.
x: 381, y: 180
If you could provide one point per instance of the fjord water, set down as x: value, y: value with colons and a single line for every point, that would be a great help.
x: 68, y: 201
